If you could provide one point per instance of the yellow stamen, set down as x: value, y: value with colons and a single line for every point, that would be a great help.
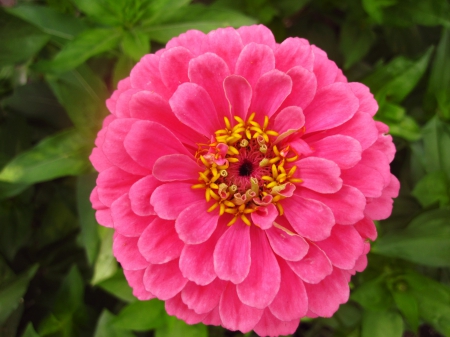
x: 266, y: 122
x: 280, y: 208
x: 244, y: 218
x: 213, y: 207
x: 232, y: 222
x: 227, y: 122
x: 196, y: 186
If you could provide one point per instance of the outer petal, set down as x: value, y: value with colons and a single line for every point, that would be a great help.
x: 175, y: 307
x: 113, y: 183
x: 173, y: 66
x: 263, y: 281
x: 310, y: 218
x: 203, y: 299
x: 194, y: 107
x: 381, y: 207
x: 146, y: 75
x: 269, y: 325
x: 314, y: 267
x: 294, y: 52
x: 99, y: 160
x: 135, y: 280
x: 236, y: 315
x: 169, y: 200
x: 343, y: 247
x: 325, y: 70
x: 304, y: 86
x: 366, y: 228
x: 192, y: 40
x: 291, y: 301
x: 366, y: 179
x: 286, y: 244
x: 164, y: 280
x: 126, y: 222
x: 234, y: 245
x: 140, y: 193
x: 324, y: 298
x: 175, y: 167
x: 239, y: 95
x: 127, y: 253
x: 195, y: 225
x: 147, y: 141
x: 320, y: 175
x: 332, y: 106
x: 367, y: 102
x: 257, y: 33
x: 226, y: 43
x: 159, y: 243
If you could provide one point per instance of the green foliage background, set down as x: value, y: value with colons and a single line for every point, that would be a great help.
x: 60, y: 60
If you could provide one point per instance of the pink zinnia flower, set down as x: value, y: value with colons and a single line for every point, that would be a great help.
x: 242, y: 178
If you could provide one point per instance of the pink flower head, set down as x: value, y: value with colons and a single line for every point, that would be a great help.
x: 242, y: 178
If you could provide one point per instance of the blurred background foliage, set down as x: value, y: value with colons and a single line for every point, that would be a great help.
x: 60, y: 60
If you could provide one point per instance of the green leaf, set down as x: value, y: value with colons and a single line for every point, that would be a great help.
x: 373, y: 294
x: 436, y: 139
x: 382, y: 324
x: 12, y: 292
x: 407, y: 305
x: 19, y: 40
x: 105, y: 264
x: 49, y: 20
x: 375, y: 8
x: 426, y: 240
x: 30, y: 332
x: 83, y: 95
x: 122, y: 69
x: 99, y: 11
x: 118, y: 286
x: 141, y: 316
x: 355, y: 41
x: 175, y: 327
x: 135, y: 44
x: 105, y: 327
x: 426, y: 13
x: 433, y: 188
x: 85, y: 45
x: 59, y: 155
x: 162, y: 10
x: 86, y: 215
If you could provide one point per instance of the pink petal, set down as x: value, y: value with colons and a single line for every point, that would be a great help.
x: 254, y: 61
x: 226, y: 43
x: 236, y: 315
x: 126, y: 222
x: 164, y: 280
x: 288, y: 121
x: 257, y: 33
x: 263, y: 281
x: 314, y: 267
x: 170, y: 199
x: 127, y: 253
x: 99, y: 160
x: 324, y: 298
x: 147, y: 141
x: 197, y: 262
x: 343, y: 150
x: 192, y: 40
x: 378, y: 161
x: 203, y: 299
x: 173, y: 66
x: 175, y: 307
x: 287, y: 244
x: 343, y: 247
x: 332, y: 106
x: 123, y: 103
x: 291, y: 301
x: 140, y: 193
x: 239, y: 95
x: 366, y: 179
x: 159, y: 243
x: 381, y: 208
x: 95, y: 201
x: 104, y: 218
x: 113, y: 183
x: 146, y: 75
x: 367, y: 102
x: 234, y: 245
x: 310, y: 218
x: 320, y: 175
x: 271, y: 90
x: 209, y: 71
x: 304, y: 86
x: 122, y: 86
x: 325, y: 70
x: 294, y: 52
x: 347, y: 204
x: 194, y: 107
x: 361, y: 262
x: 269, y: 325
x: 265, y: 216
x: 195, y: 225
x: 150, y: 106
x: 135, y: 279
x: 366, y: 228
x: 384, y: 143
x: 176, y: 167
x: 213, y: 317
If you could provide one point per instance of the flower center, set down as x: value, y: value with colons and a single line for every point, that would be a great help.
x: 244, y: 170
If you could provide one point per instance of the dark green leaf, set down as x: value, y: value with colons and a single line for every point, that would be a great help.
x: 433, y: 188
x: 99, y: 11
x: 60, y: 155
x: 49, y: 20
x: 105, y: 264
x: 375, y: 8
x: 135, y: 44
x: 161, y: 10
x: 427, y: 13
x: 356, y: 39
x: 436, y: 139
x: 19, y: 40
x: 373, y: 294
x: 30, y: 332
x: 426, y: 240
x: 12, y: 292
x: 382, y: 324
x: 118, y: 286
x: 175, y: 327
x: 407, y: 305
x: 85, y: 45
x: 105, y: 327
x: 141, y: 316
